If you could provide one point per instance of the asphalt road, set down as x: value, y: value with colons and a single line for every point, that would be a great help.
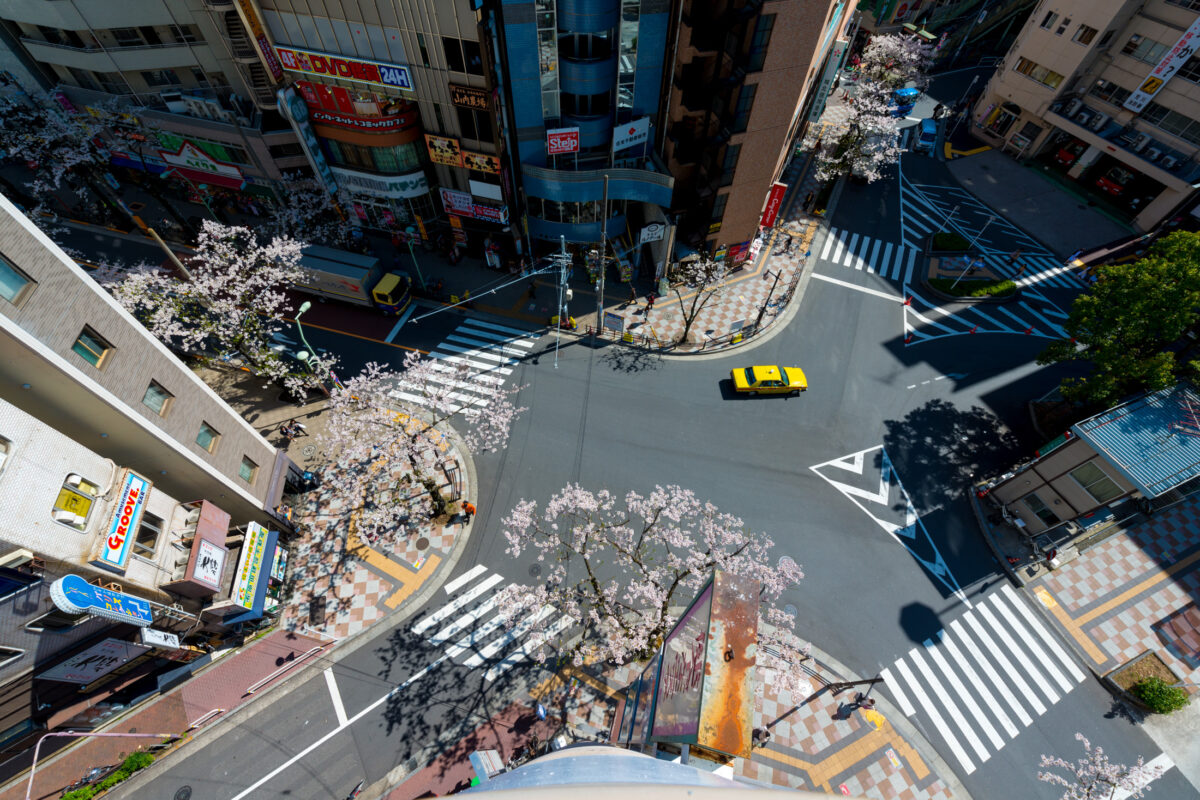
x: 925, y: 418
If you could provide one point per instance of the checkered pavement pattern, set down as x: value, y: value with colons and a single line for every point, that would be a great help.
x: 437, y: 539
x: 1102, y: 579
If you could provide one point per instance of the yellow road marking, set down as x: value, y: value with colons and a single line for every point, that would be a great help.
x: 1071, y: 626
x: 821, y: 772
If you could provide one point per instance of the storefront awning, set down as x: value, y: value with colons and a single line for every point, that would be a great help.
x: 196, y: 178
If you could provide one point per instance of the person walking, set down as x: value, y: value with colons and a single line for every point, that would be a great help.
x: 468, y: 509
x: 649, y: 302
x: 632, y: 294
x: 808, y: 201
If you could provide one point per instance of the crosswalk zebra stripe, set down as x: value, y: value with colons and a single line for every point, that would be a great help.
x: 515, y: 332
x: 948, y: 703
x: 936, y: 718
x: 893, y: 688
x: 1000, y: 685
x: 465, y: 399
x: 479, y: 333
x: 829, y: 239
x: 496, y: 645
x: 874, y: 253
x: 1045, y: 635
x: 887, y: 259
x: 476, y: 364
x: 1015, y: 650
x: 939, y: 660
x: 484, y: 376
x: 912, y: 262
x: 459, y: 625
x: 478, y: 635
x: 460, y: 601
x: 1051, y: 325
x: 462, y: 580
x: 860, y: 257
x: 1044, y: 660
x: 524, y: 652
x: 1008, y: 313
x: 471, y: 341
x: 947, y: 641
x: 837, y: 249
x: 850, y: 250
x: 475, y: 352
x: 1005, y: 665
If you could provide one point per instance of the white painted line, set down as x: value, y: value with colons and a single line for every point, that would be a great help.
x: 469, y: 352
x: 249, y: 790
x: 408, y: 312
x: 338, y: 708
x: 1022, y: 325
x: 862, y: 289
x: 480, y: 333
x: 451, y: 608
x: 1031, y: 642
x: 874, y: 255
x: 1161, y: 760
x: 459, y: 625
x: 892, y: 687
x: 885, y: 263
x: 479, y: 376
x: 964, y: 664
x: 516, y: 332
x: 946, y: 698
x: 910, y: 310
x: 484, y: 345
x: 934, y: 716
x: 1047, y: 637
x: 524, y: 652
x: 475, y: 364
x: 1051, y: 325
x: 468, y: 576
x: 1038, y: 679
x: 850, y: 250
x: 998, y: 683
x: 1012, y: 675
x: 837, y: 248
x: 828, y: 243
x: 939, y: 660
x: 480, y: 633
x: 912, y: 262
x: 860, y: 257
x: 520, y: 629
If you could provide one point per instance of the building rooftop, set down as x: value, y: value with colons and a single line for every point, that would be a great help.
x: 1154, y: 440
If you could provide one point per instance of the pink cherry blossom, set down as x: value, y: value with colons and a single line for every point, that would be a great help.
x: 1094, y: 777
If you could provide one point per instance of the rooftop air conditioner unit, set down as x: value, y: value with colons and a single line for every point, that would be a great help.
x: 1153, y: 154
x: 226, y: 116
x: 1072, y: 108
x: 1139, y: 143
x: 1099, y: 122
x: 197, y: 107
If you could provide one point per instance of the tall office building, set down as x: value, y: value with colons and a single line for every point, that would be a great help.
x: 1104, y: 96
x: 138, y: 507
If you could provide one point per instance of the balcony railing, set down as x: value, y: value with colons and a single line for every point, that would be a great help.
x: 589, y: 176
x: 116, y: 48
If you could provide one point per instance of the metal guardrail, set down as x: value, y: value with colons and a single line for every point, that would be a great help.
x: 260, y: 684
x: 591, y: 175
x: 205, y: 718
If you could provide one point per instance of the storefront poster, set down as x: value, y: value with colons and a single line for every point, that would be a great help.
x: 481, y: 162
x: 360, y: 211
x: 489, y: 213
x: 342, y: 98
x: 117, y: 543
x: 444, y: 150
x: 677, y: 705
x: 468, y: 97
x: 249, y: 570
x: 457, y: 203
x: 311, y: 62
x: 773, y: 204
x: 210, y: 560
x: 95, y: 662
x: 631, y: 134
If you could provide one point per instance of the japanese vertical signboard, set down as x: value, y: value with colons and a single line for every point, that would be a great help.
x: 1175, y: 58
x: 253, y: 24
x: 677, y: 709
x: 249, y: 569
x: 114, y: 549
x: 562, y: 140
x: 469, y: 97
x: 774, y: 202
x: 827, y: 77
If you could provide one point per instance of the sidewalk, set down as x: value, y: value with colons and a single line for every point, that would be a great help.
x: 820, y: 744
x: 213, y: 693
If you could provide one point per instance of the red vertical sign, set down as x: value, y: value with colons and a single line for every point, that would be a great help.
x: 774, y: 202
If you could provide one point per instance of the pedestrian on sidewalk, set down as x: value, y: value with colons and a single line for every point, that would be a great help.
x: 1071, y: 259
x: 632, y: 295
x: 649, y: 302
x: 808, y: 201
x: 468, y: 509
x: 532, y: 291
x: 864, y: 702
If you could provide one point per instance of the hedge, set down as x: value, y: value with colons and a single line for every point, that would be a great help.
x: 949, y: 241
x: 1160, y: 696
x: 973, y: 288
x: 132, y: 763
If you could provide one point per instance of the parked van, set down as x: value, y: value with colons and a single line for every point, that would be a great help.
x: 926, y: 136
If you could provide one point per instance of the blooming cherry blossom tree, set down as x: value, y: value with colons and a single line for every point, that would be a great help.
x: 705, y: 278
x: 625, y: 567
x: 230, y: 305
x: 383, y: 453
x: 307, y: 213
x: 1094, y: 777
x: 872, y: 138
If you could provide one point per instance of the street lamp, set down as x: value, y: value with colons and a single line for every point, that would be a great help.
x: 766, y: 302
x: 309, y: 356
x: 410, y: 233
x: 196, y: 189
x: 38, y: 747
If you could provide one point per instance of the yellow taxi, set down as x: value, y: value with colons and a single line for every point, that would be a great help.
x: 769, y: 380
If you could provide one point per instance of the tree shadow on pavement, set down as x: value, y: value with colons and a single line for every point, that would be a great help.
x: 937, y: 449
x: 632, y: 360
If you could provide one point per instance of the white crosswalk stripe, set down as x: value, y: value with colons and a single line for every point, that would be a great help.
x: 864, y: 253
x: 979, y: 673
x: 490, y: 351
x: 473, y: 633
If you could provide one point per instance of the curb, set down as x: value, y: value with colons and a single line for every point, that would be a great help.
x: 986, y: 300
x: 902, y: 725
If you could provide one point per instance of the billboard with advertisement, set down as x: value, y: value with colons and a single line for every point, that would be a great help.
x: 359, y: 70
x: 292, y: 106
x: 459, y: 203
x: 631, y: 133
x: 469, y: 97
x: 774, y: 203
x: 481, y: 162
x: 253, y: 24
x: 562, y: 140
x: 444, y: 150
x: 680, y: 680
x: 94, y: 662
x: 1175, y: 58
x: 250, y: 564
x: 114, y: 549
x: 74, y: 595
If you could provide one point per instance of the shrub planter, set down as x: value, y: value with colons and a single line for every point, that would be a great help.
x: 1146, y: 665
x: 947, y: 244
x: 1004, y: 295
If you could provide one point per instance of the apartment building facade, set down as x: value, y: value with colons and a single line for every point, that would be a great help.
x: 1104, y: 95
x: 138, y: 507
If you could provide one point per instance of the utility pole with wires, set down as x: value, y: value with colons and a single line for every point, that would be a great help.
x: 603, y: 258
x: 562, y: 259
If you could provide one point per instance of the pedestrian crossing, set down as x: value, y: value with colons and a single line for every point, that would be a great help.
x: 864, y: 253
x: 1034, y: 314
x: 984, y: 678
x: 471, y: 630
x: 473, y: 361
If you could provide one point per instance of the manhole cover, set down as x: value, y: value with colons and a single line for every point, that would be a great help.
x: 308, y: 451
x: 183, y: 793
x: 535, y: 570
x: 791, y: 609
x: 422, y: 543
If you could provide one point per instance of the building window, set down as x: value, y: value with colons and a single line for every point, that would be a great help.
x: 1193, y: 5
x: 1190, y: 71
x: 157, y: 399
x: 760, y: 42
x: 184, y: 34
x: 745, y: 102
x: 91, y: 347
x: 160, y: 77
x: 1110, y: 92
x: 55, y: 622
x: 1043, y: 512
x: 718, y: 212
x: 474, y: 124
x: 1066, y: 23
x: 473, y: 56
x: 248, y: 471
x: 208, y: 437
x: 453, y: 52
x: 1144, y: 49
x: 83, y: 78
x: 113, y: 82
x: 1107, y: 37
x: 5, y: 452
x: 1172, y: 122
x: 1044, y: 76
x: 9, y: 654
x: 1049, y: 20
x: 127, y: 37
x: 729, y: 163
x: 147, y: 536
x: 75, y: 502
x: 424, y: 51
x: 1093, y: 480
x: 14, y: 284
x: 1084, y: 35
